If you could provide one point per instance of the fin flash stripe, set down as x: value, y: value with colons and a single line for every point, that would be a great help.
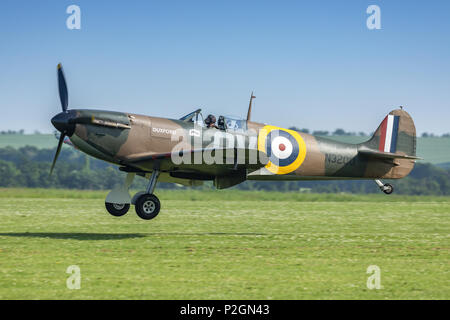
x: 389, y: 134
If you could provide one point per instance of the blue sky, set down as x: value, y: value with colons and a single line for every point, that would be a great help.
x: 311, y: 64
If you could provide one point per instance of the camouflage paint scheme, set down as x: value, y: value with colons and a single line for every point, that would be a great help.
x: 141, y: 144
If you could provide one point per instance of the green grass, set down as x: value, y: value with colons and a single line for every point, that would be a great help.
x: 432, y: 150
x: 221, y: 195
x: 224, y: 245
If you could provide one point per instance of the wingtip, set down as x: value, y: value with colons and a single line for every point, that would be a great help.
x: 59, y: 66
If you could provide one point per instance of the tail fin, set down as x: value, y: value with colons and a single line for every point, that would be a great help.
x: 392, y: 147
x: 396, y: 134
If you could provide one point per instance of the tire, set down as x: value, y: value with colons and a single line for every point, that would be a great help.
x: 147, y: 206
x: 117, y: 209
x: 388, y: 188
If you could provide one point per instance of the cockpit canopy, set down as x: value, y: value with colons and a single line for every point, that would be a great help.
x: 190, y: 116
x: 235, y: 124
x: 226, y: 123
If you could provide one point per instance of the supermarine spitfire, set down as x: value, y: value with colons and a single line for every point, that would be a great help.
x: 192, y: 149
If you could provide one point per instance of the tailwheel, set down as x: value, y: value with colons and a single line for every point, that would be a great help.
x: 147, y: 206
x: 117, y: 209
x: 388, y: 188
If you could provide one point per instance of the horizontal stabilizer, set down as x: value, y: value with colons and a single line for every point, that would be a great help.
x: 385, y: 155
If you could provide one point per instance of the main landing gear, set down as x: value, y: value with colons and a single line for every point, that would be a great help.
x: 147, y: 205
x: 385, y: 187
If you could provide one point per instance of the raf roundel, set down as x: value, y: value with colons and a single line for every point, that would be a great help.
x: 285, y: 149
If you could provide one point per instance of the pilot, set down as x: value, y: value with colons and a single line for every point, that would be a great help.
x: 221, y: 123
x: 210, y: 121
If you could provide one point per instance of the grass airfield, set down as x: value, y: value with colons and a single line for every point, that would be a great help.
x: 224, y: 245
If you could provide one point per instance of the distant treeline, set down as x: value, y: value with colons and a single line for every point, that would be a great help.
x: 337, y: 132
x: 11, y: 132
x: 18, y: 132
x: 342, y: 132
x: 432, y: 135
x: 29, y: 167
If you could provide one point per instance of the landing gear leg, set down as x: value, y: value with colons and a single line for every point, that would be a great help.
x: 385, y: 187
x: 147, y: 205
x: 118, y: 201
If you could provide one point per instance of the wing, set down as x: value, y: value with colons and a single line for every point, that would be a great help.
x: 229, y: 156
x: 233, y: 170
x: 235, y: 162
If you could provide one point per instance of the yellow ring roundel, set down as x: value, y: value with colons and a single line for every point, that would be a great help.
x: 285, y: 149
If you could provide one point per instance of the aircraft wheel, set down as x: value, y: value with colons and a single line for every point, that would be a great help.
x: 147, y: 206
x: 117, y: 209
x: 388, y: 188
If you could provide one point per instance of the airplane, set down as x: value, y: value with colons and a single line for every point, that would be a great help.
x: 191, y: 150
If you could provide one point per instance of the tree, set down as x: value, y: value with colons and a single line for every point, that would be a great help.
x: 8, y: 174
x: 339, y: 132
x: 320, y: 133
x: 299, y: 130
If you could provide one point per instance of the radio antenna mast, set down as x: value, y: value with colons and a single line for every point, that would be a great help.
x: 249, y: 113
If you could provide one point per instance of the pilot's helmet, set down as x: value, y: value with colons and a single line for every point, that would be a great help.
x: 210, y: 119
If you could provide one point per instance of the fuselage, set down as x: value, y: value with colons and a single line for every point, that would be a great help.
x: 138, y: 142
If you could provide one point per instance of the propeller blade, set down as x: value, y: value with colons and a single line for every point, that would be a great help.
x: 62, y: 86
x: 60, y: 143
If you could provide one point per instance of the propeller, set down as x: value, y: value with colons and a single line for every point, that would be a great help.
x: 62, y: 86
x: 58, y: 151
x: 61, y: 121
